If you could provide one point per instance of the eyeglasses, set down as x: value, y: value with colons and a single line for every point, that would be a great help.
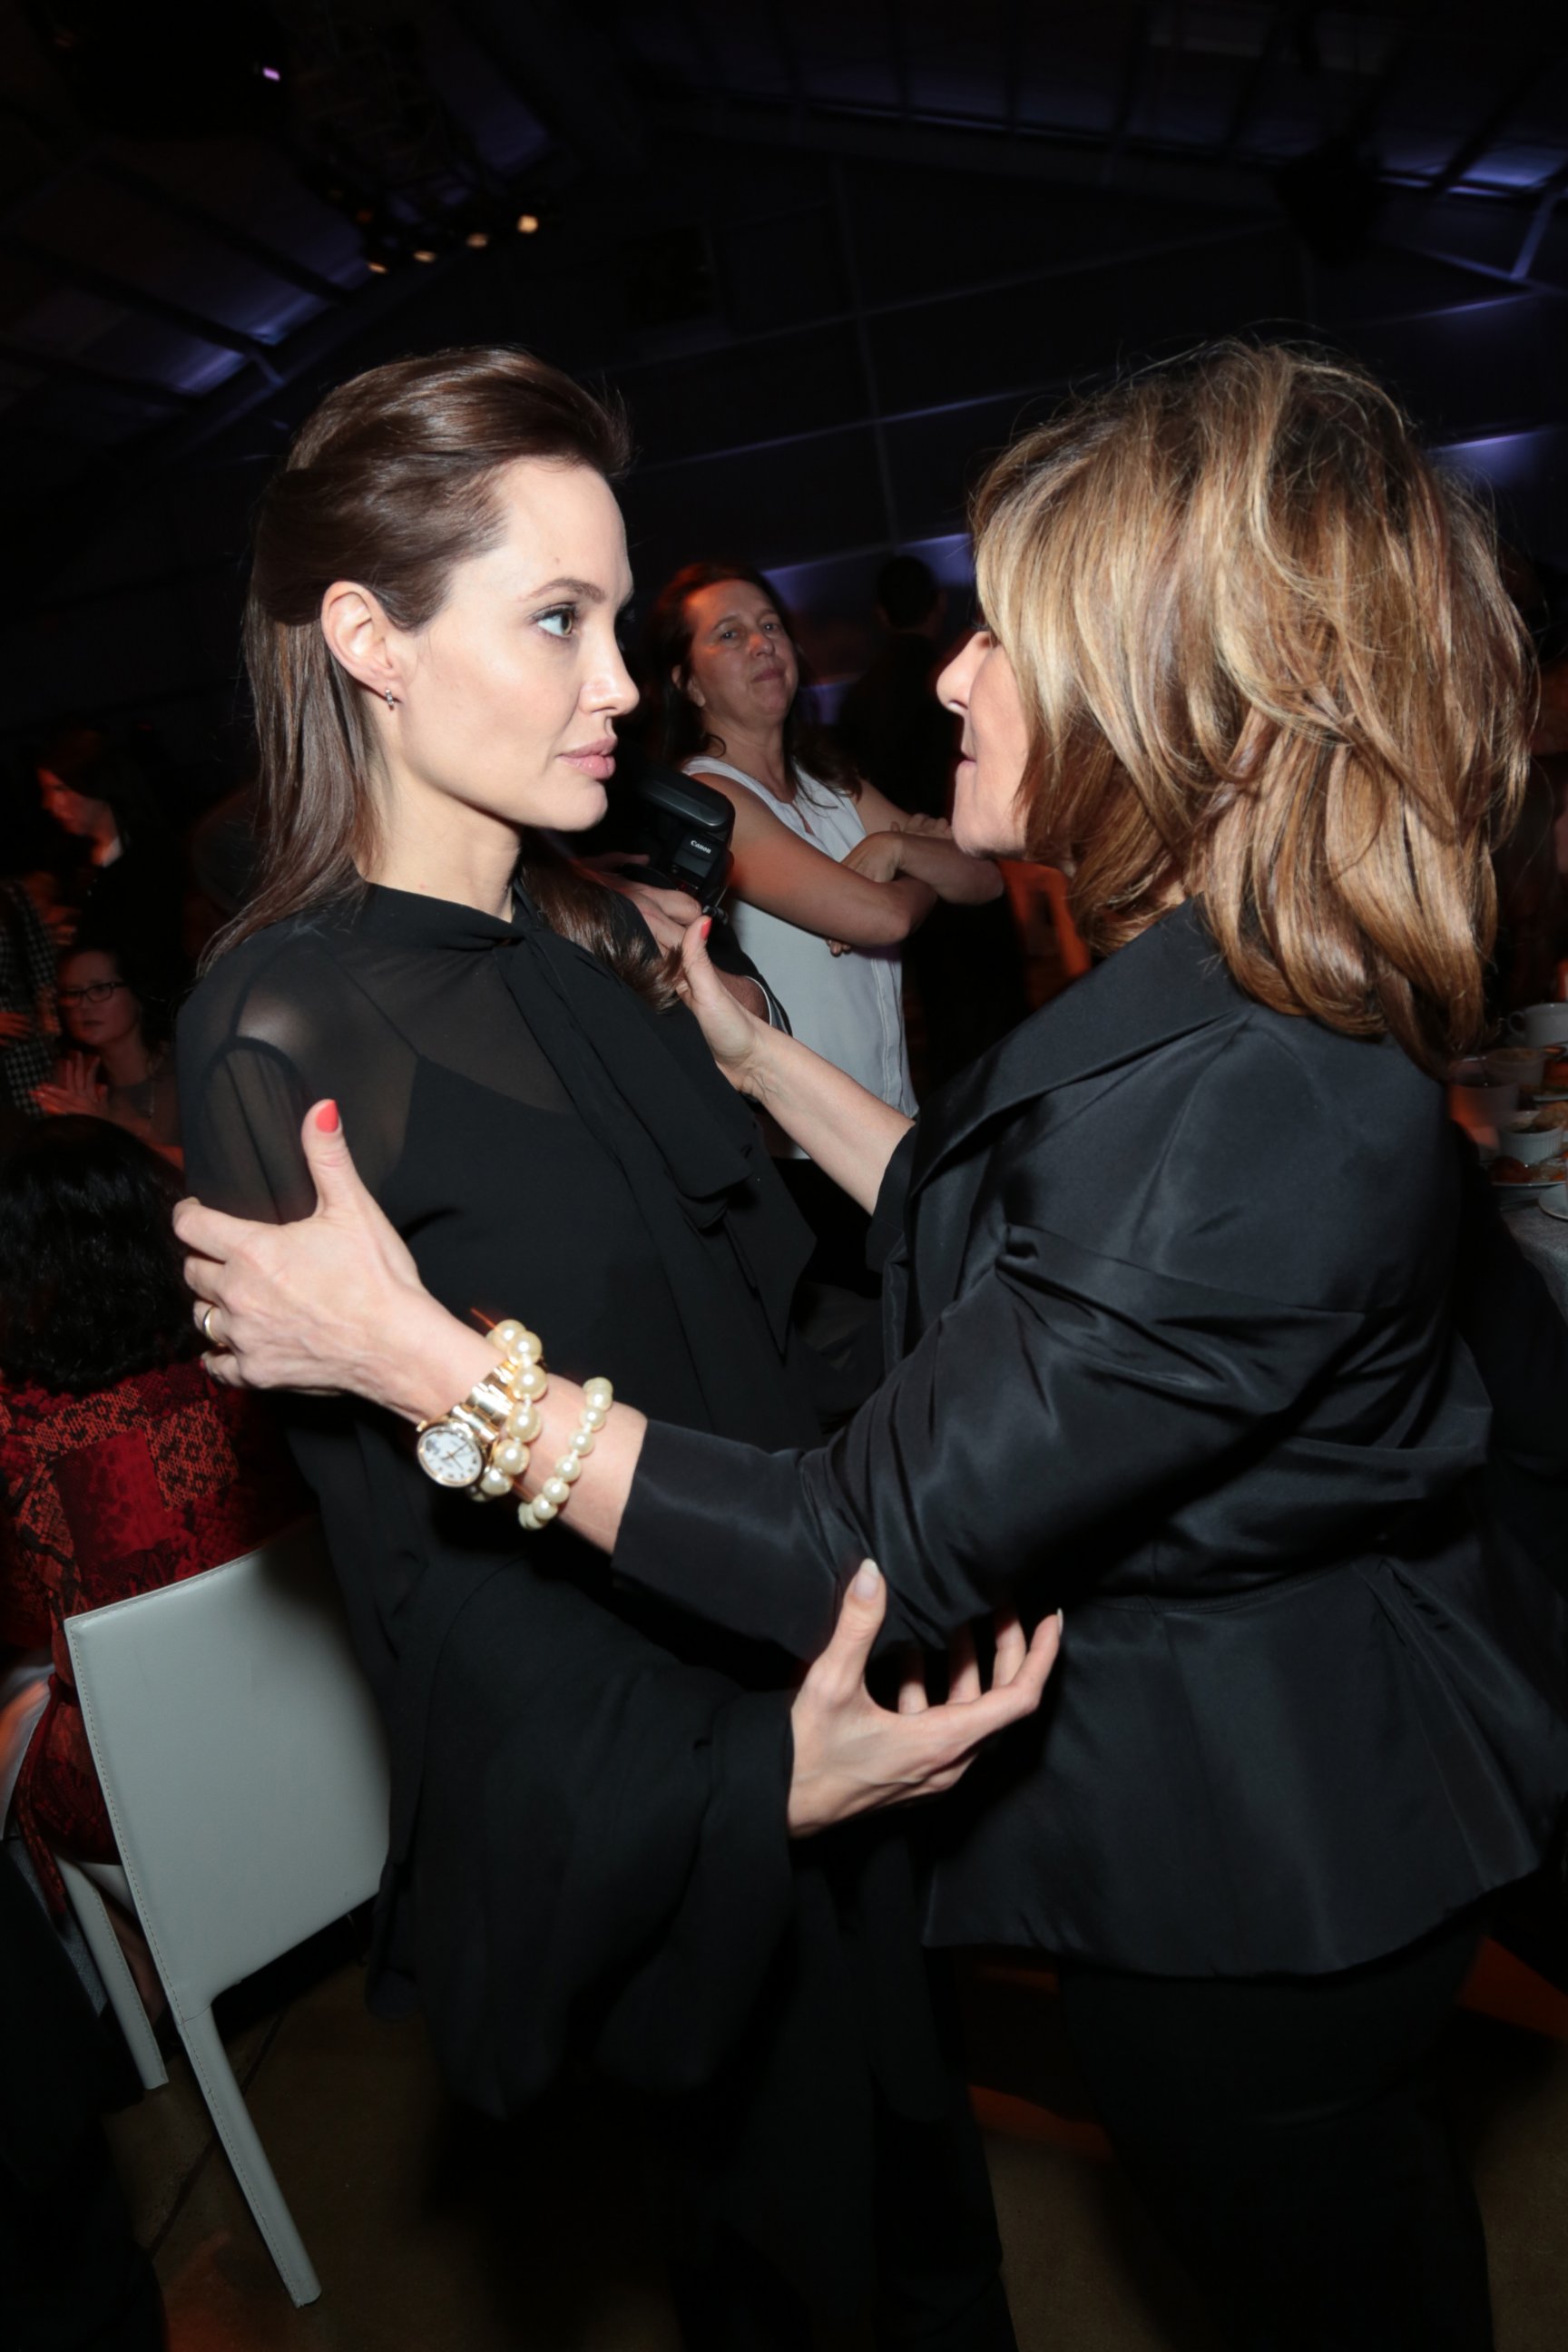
x: 97, y: 992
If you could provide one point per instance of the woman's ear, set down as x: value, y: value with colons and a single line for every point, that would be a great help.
x: 359, y: 635
x: 688, y: 686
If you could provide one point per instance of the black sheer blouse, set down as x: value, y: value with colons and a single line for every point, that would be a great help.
x: 588, y: 1844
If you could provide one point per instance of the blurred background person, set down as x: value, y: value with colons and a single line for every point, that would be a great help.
x: 222, y: 858
x: 26, y: 1004
x: 127, y: 885
x: 1532, y: 896
x: 121, y: 1066
x: 965, y: 963
x: 123, y: 1467
x: 828, y: 877
x: 892, y: 725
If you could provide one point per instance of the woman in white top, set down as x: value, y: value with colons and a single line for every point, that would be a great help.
x: 828, y: 879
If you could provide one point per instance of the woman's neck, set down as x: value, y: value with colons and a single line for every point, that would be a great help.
x: 760, y: 753
x: 128, y: 1061
x: 439, y: 849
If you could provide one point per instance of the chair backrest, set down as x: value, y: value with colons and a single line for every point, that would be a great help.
x: 242, y: 1760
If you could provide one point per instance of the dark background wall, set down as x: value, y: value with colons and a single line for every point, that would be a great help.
x: 829, y: 267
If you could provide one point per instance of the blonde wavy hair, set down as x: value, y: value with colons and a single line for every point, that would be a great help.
x: 1266, y: 658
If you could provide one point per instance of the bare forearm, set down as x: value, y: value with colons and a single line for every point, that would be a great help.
x: 849, y: 1133
x: 879, y: 912
x: 943, y: 867
x: 914, y: 899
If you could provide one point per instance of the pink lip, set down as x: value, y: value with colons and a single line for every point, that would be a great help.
x: 596, y: 760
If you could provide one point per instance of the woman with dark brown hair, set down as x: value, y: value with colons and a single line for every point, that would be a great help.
x: 1201, y: 1324
x: 594, y: 1801
x: 828, y: 877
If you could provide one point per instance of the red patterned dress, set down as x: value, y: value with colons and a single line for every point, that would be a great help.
x: 100, y: 1496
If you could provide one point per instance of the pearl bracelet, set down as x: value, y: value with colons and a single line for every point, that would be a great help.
x: 523, y: 1377
x: 554, y: 1494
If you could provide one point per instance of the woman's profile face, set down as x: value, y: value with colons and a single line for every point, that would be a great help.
x: 507, y: 698
x: 97, y: 1007
x: 979, y: 683
x: 742, y: 669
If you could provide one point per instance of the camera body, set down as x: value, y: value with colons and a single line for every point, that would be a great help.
x: 683, y: 829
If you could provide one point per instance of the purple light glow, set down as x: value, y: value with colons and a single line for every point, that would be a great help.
x: 1507, y: 460
x: 270, y: 73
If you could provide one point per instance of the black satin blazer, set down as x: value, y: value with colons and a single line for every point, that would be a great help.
x: 1174, y: 1304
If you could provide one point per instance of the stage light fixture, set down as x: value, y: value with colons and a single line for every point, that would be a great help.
x: 477, y: 239
x: 377, y: 268
x: 527, y: 224
x: 425, y: 253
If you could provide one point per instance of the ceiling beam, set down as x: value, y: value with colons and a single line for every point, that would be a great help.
x: 238, y: 241
x: 1013, y: 63
x: 1281, y: 18
x: 1134, y: 58
x: 899, y: 51
x: 1364, y: 117
x: 1498, y: 114
x: 565, y: 72
x: 1549, y: 195
x: 84, y: 506
x: 118, y: 291
x: 152, y: 399
x: 1028, y: 155
x: 789, y: 57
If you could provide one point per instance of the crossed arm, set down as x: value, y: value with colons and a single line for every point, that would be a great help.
x: 875, y: 896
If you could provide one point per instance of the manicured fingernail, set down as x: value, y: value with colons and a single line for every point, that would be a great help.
x: 707, y: 926
x: 1062, y: 1620
x: 867, y: 1577
x: 327, y: 1119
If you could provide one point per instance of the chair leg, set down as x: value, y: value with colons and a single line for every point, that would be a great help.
x: 112, y: 1965
x: 245, y: 2154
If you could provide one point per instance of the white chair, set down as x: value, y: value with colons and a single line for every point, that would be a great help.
x: 245, y: 1772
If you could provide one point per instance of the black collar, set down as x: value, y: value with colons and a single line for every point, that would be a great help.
x: 1165, y: 984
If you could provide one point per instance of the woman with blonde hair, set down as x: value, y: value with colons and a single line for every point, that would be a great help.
x: 1200, y: 1328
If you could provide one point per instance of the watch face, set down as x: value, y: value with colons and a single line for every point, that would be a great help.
x: 450, y: 1455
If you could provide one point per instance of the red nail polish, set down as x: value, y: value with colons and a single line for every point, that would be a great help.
x: 327, y: 1119
x: 707, y: 926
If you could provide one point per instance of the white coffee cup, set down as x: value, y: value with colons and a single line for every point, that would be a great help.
x: 1539, y: 1025
x: 1519, y: 1066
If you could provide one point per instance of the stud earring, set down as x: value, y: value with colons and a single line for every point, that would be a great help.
x: 390, y: 704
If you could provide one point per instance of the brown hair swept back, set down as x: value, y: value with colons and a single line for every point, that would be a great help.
x: 389, y: 482
x: 1266, y: 658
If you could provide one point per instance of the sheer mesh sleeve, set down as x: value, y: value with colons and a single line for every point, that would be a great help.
x: 266, y: 1035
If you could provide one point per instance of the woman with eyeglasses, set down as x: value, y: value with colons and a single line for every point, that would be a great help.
x: 121, y: 1069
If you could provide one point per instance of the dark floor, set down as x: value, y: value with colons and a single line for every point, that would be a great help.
x: 432, y: 2230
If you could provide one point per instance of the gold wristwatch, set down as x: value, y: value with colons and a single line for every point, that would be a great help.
x: 455, y: 1449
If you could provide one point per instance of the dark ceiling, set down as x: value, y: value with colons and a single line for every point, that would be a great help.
x: 828, y: 250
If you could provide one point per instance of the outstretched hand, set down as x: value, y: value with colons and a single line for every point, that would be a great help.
x: 852, y: 1755
x: 732, y: 1032
x: 299, y: 1305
